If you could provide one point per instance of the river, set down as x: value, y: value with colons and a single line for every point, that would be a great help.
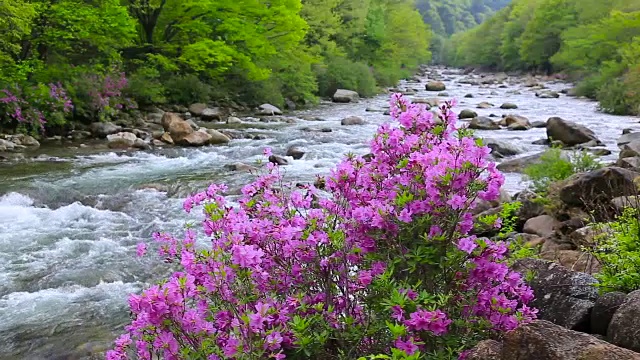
x: 69, y: 227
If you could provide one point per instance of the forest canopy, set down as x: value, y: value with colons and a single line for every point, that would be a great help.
x: 104, y: 56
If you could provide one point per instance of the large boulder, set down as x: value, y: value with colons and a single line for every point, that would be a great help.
x: 543, y: 225
x: 102, y: 129
x: 600, y: 185
x: 518, y: 164
x: 268, y: 109
x: 345, y: 96
x: 569, y: 132
x: 563, y: 297
x: 435, y: 86
x: 543, y: 340
x: 196, y: 138
x: 212, y: 114
x: 176, y: 127
x: 197, y: 109
x: 483, y: 123
x: 603, y: 311
x: 217, y: 137
x: 121, y: 140
x: 517, y: 122
x: 624, y: 329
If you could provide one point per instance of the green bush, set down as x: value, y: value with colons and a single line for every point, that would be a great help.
x: 618, y: 251
x: 341, y: 73
x: 145, y: 87
x: 186, y: 90
x: 555, y: 166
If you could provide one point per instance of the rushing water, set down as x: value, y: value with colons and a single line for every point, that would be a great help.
x: 68, y: 229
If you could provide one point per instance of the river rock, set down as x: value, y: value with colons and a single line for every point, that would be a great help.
x: 572, y: 259
x: 233, y: 120
x: 194, y: 126
x: 483, y: 123
x: 102, y: 129
x: 6, y: 145
x: 543, y: 226
x: 484, y: 105
x: 467, y: 114
x: 569, y: 132
x: 196, y: 138
x: 627, y: 138
x: 624, y: 329
x: 530, y: 207
x: 547, y: 95
x: 601, y: 185
x: 435, y: 86
x: 25, y: 140
x: 352, y: 120
x: 166, y: 138
x: 517, y: 122
x: 197, y: 109
x: 217, y: 137
x: 121, y: 140
x: 543, y: 340
x: 500, y: 149
x: 603, y: 311
x: 563, y: 297
x: 469, y: 96
x: 432, y: 102
x: 508, y: 106
x: 141, y: 144
x: 295, y: 152
x: 268, y: 110
x: 278, y: 160
x: 622, y: 202
x: 631, y: 149
x: 517, y: 165
x: 176, y: 127
x: 485, y: 350
x: 345, y: 96
x: 212, y: 114
x: 631, y: 163
x: 240, y: 167
x: 539, y: 124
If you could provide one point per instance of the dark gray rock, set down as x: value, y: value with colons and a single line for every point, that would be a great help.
x: 562, y: 296
x: 603, y: 311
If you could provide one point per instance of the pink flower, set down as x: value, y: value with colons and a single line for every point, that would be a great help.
x: 141, y: 249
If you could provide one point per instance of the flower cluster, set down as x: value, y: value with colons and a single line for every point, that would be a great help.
x: 35, y: 106
x: 105, y: 92
x: 383, y: 261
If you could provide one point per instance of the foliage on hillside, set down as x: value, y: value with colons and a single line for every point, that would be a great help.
x: 447, y: 17
x: 181, y: 51
x: 595, y: 41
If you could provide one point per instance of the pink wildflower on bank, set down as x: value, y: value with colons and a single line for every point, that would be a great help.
x: 380, y: 262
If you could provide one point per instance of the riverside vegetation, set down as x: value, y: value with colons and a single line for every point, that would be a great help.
x: 595, y: 42
x: 65, y: 63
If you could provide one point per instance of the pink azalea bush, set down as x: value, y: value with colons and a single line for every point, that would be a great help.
x: 381, y: 262
x: 31, y: 108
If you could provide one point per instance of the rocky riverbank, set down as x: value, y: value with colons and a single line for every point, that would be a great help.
x: 69, y: 226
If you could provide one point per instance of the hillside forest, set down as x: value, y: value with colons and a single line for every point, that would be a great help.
x: 69, y: 61
x: 594, y: 42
